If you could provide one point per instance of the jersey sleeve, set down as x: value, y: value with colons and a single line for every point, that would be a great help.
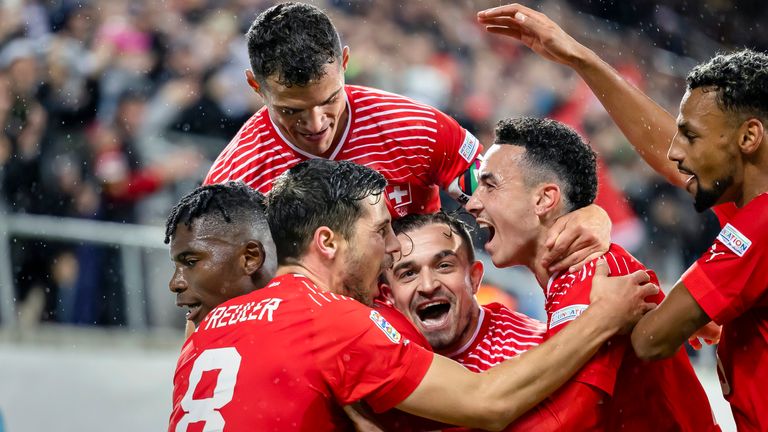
x: 731, y: 276
x: 456, y: 149
x: 367, y: 358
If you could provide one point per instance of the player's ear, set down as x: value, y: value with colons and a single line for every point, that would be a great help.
x: 251, y: 79
x: 386, y: 291
x: 546, y: 198
x: 326, y: 242
x: 344, y: 58
x: 253, y: 257
x: 476, y: 275
x: 751, y: 135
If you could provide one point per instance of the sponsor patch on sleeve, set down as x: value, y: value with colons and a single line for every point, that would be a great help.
x: 734, y: 240
x: 566, y: 314
x: 385, y: 326
x: 468, y: 147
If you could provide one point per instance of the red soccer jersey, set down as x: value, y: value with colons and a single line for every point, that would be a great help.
x: 286, y: 358
x: 502, y: 334
x: 660, y: 395
x: 730, y: 283
x: 416, y: 147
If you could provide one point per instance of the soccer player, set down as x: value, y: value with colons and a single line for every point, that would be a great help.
x: 434, y: 282
x: 297, y: 69
x: 536, y: 170
x: 716, y: 151
x: 287, y: 356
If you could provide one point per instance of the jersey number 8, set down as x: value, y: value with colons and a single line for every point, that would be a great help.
x: 196, y: 410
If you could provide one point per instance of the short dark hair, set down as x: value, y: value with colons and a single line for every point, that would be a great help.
x: 232, y: 203
x: 292, y: 42
x: 315, y: 193
x: 553, y: 152
x: 740, y: 79
x: 412, y: 222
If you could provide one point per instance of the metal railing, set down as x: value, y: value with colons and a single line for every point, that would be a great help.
x: 130, y: 238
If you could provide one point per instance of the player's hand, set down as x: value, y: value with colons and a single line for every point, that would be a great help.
x: 710, y: 334
x: 621, y: 299
x: 577, y: 238
x: 360, y: 420
x: 535, y: 30
x: 189, y: 329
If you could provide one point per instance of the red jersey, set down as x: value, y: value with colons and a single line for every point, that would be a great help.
x: 416, y: 147
x: 502, y: 334
x: 286, y: 358
x: 730, y: 283
x: 639, y: 396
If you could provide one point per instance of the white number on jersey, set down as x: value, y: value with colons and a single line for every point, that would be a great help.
x: 196, y: 410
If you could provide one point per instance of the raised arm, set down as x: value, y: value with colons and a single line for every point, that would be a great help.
x: 647, y: 126
x: 494, y: 398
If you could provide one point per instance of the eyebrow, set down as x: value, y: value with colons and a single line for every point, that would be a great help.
x: 437, y: 257
x: 325, y: 102
x: 487, y: 176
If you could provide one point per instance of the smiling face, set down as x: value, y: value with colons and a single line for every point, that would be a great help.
x: 504, y: 205
x: 368, y: 252
x: 313, y: 117
x: 434, y: 283
x: 706, y: 149
x: 211, y: 267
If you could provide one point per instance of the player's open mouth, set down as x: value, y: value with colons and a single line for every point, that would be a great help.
x: 192, y: 312
x: 489, y: 230
x: 434, y: 313
x: 689, y: 181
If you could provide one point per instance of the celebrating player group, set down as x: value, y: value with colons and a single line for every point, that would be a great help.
x: 329, y: 292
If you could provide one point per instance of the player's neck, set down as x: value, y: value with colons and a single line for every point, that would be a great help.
x: 319, y: 278
x: 755, y: 183
x: 539, y: 271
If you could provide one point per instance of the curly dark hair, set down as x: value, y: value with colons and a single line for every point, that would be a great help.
x: 229, y: 203
x: 553, y: 152
x: 315, y: 193
x: 740, y: 79
x: 412, y: 222
x: 292, y: 42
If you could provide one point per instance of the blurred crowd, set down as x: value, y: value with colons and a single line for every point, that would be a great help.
x: 112, y: 109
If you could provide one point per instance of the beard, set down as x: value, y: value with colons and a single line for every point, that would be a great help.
x: 354, y: 283
x: 706, y: 198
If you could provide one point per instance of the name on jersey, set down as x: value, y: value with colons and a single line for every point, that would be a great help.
x: 566, y: 314
x: 734, y: 240
x: 385, y: 326
x: 468, y: 147
x: 228, y: 315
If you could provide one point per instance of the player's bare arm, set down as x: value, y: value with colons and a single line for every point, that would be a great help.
x: 492, y: 399
x: 647, y: 126
x: 662, y: 331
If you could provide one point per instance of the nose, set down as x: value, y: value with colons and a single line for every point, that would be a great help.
x: 313, y: 119
x: 427, y: 283
x: 177, y: 284
x: 391, y: 243
x: 474, y: 205
x: 675, y: 152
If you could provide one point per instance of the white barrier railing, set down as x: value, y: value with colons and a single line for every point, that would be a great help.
x: 131, y: 239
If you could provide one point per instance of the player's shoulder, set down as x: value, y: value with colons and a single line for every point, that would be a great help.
x: 620, y: 261
x: 751, y: 217
x: 367, y: 98
x: 501, y: 314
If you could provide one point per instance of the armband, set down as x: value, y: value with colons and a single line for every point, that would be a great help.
x: 462, y: 187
